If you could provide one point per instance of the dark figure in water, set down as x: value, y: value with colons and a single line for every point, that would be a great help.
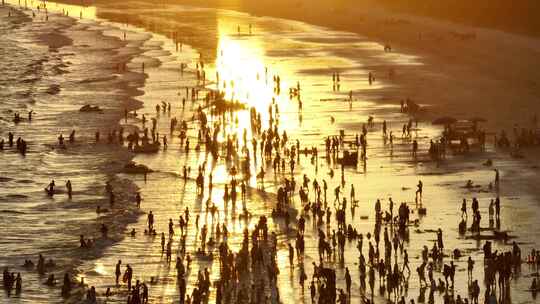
x: 66, y: 288
x: 51, y: 281
x: 104, y: 230
x: 69, y: 189
x: 111, y: 198
x: 150, y: 221
x: 138, y: 199
x: 10, y: 139
x: 18, y: 283
x: 72, y: 137
x: 50, y: 188
x: 41, y: 264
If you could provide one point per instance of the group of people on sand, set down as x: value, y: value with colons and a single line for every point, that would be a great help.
x: 249, y: 273
x: 522, y: 137
x: 260, y: 246
x: 494, y: 213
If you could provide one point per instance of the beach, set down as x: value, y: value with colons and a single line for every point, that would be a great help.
x: 248, y: 50
x: 466, y: 71
x: 61, y: 66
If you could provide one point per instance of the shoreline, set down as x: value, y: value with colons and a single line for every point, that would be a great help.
x: 421, y: 169
x: 67, y: 257
x: 460, y: 76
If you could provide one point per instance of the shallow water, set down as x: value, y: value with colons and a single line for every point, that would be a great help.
x: 295, y: 51
x: 53, y: 83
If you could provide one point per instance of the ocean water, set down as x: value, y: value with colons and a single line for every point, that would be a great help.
x: 56, y: 82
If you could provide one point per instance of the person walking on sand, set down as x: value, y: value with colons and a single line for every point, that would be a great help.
x: 336, y: 193
x: 440, y: 243
x: 497, y: 178
x: 302, y: 278
x: 150, y: 221
x: 348, y: 281
x: 118, y: 272
x: 464, y: 208
x: 497, y: 207
x: 406, y: 262
x: 128, y: 276
x: 291, y: 255
x: 419, y: 189
x: 138, y: 199
x: 163, y: 242
x: 470, y: 267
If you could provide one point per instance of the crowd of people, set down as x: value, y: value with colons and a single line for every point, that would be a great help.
x: 249, y: 273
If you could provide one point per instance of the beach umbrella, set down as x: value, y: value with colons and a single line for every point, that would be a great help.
x: 445, y: 120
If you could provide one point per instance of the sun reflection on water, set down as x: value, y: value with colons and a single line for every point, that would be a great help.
x: 84, y: 12
x: 245, y: 75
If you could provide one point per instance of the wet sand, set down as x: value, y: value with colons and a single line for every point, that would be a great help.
x: 461, y: 77
x: 447, y: 181
x: 389, y: 172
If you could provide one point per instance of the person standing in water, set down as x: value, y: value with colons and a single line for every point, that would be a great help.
x: 69, y: 188
x: 118, y: 271
x: 50, y: 188
x: 150, y: 222
x: 138, y: 199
